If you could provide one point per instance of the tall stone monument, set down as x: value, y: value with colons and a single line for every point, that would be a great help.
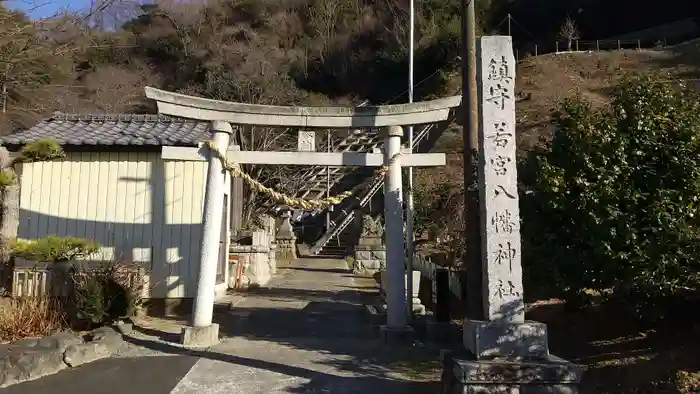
x: 505, y: 353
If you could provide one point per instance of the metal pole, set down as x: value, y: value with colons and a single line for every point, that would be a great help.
x: 470, y: 135
x: 328, y: 182
x: 409, y: 170
x: 509, y: 25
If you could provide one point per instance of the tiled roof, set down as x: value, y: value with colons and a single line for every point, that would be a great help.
x: 121, y: 129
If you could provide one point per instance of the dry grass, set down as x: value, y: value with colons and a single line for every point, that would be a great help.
x: 30, y: 318
x: 548, y: 79
x: 624, y: 356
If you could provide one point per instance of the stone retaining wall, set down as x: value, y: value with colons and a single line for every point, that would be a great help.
x: 31, y: 359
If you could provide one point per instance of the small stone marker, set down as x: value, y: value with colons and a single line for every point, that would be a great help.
x: 500, y: 226
x: 306, y: 141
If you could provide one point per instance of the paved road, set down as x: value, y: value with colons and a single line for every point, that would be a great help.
x: 307, y: 333
x: 159, y: 374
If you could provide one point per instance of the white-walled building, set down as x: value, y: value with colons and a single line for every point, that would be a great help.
x: 114, y: 187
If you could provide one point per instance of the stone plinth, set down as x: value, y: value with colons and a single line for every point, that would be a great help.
x: 552, y: 375
x: 256, y: 265
x: 488, y: 340
x: 369, y: 259
x: 286, y: 248
x: 370, y: 253
x: 416, y: 306
x: 200, y: 337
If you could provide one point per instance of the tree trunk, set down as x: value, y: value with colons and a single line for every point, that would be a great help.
x: 9, y: 221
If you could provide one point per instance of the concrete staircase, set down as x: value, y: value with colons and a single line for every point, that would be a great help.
x: 342, y: 216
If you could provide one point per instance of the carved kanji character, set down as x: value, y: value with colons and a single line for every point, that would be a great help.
x: 503, y: 222
x: 505, y: 254
x: 499, y: 70
x: 500, y: 137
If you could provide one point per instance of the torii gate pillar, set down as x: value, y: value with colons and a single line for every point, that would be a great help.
x: 397, y: 328
x: 202, y: 332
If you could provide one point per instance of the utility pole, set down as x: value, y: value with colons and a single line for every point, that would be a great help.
x: 409, y: 191
x: 470, y: 135
x: 4, y: 89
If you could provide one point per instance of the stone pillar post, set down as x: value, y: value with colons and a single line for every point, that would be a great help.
x: 202, y: 332
x: 272, y: 256
x: 396, y: 328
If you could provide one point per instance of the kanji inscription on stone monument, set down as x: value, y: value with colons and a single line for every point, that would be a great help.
x: 503, y: 289
x: 306, y: 141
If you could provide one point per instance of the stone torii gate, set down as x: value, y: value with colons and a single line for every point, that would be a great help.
x: 391, y: 119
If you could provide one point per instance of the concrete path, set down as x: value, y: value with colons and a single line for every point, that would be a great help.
x: 307, y: 333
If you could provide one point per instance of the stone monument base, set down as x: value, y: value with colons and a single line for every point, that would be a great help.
x: 494, y: 339
x: 369, y: 259
x: 463, y: 374
x: 286, y: 248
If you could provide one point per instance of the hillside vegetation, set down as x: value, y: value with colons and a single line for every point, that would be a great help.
x: 546, y: 80
x: 591, y: 231
x: 274, y: 52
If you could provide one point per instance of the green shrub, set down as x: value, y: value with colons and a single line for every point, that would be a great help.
x: 613, y: 203
x: 107, y: 292
x: 90, y: 297
x: 54, y: 249
x: 8, y: 177
x: 42, y: 150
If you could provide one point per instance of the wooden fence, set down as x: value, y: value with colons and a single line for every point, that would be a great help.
x: 40, y: 280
